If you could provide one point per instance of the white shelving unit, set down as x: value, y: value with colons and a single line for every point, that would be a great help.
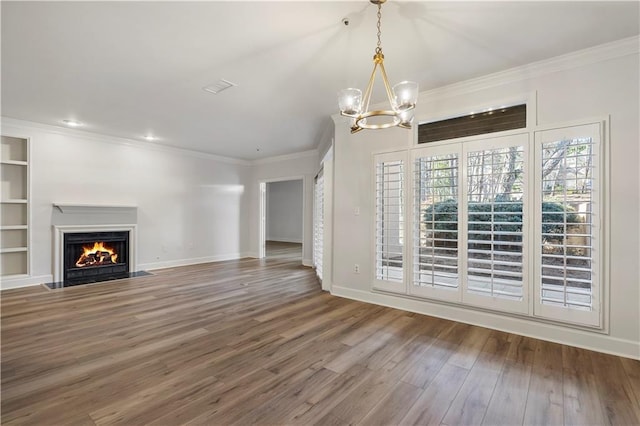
x: 14, y: 207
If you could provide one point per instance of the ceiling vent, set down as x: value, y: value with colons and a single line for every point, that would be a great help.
x: 219, y: 86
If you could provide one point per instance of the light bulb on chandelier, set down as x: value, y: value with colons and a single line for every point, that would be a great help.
x: 402, y: 97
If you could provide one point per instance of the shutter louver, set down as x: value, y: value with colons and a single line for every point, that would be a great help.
x: 435, y: 233
x: 318, y: 237
x: 495, y: 222
x: 567, y: 223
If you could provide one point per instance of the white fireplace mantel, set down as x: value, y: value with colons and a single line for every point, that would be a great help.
x: 58, y: 244
x: 68, y: 208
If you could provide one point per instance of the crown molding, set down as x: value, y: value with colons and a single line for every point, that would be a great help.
x: 97, y: 137
x: 579, y: 58
x: 25, y: 126
x: 287, y: 157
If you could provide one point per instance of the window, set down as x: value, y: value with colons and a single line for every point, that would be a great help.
x: 389, y: 222
x: 480, y: 123
x: 318, y: 223
x: 496, y: 219
x: 502, y: 223
x: 435, y: 232
x: 469, y: 218
x: 568, y: 234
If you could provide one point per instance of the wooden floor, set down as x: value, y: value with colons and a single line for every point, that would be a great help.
x: 256, y: 342
x: 282, y: 250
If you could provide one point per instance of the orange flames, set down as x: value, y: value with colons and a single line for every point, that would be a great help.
x: 97, y: 255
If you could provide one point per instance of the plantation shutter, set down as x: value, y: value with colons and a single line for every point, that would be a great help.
x: 389, y: 221
x: 435, y: 223
x: 496, y: 222
x: 569, y: 212
x: 318, y: 223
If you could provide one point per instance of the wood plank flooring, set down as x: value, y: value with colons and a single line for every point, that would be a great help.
x: 283, y: 250
x: 257, y: 342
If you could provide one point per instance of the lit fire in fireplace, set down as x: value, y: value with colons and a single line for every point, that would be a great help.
x: 97, y: 255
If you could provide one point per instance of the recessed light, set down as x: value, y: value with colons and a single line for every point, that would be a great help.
x: 150, y: 137
x: 72, y: 123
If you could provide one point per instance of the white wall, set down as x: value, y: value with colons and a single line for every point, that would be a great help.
x: 190, y: 207
x: 597, y: 83
x: 298, y: 166
x: 284, y: 211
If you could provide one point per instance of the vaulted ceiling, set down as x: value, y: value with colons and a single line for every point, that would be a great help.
x: 130, y: 69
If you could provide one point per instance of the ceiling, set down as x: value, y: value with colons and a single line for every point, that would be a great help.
x: 129, y: 69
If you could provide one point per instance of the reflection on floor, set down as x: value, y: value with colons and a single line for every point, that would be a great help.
x: 280, y: 250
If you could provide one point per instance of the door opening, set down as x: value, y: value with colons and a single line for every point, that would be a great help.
x: 282, y: 219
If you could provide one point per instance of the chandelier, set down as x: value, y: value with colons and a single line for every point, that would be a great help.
x: 402, y: 97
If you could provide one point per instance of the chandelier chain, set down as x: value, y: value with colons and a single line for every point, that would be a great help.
x: 378, y: 48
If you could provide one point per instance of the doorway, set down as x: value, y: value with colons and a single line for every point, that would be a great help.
x: 282, y: 219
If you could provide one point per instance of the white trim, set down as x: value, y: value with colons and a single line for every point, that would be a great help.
x: 511, y: 324
x: 435, y: 292
x: 27, y: 202
x: 379, y: 284
x: 30, y: 125
x: 595, y: 316
x: 490, y: 143
x: 93, y: 208
x: 286, y: 157
x: 24, y: 281
x: 25, y: 125
x: 328, y: 216
x: 58, y: 244
x: 307, y: 262
x: 580, y: 58
x: 192, y: 261
x: 262, y: 226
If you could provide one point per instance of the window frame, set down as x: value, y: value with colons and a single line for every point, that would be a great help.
x: 594, y: 317
x: 449, y: 295
x: 493, y: 302
x: 379, y: 284
x: 318, y: 223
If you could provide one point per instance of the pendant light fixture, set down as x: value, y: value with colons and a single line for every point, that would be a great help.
x: 402, y: 97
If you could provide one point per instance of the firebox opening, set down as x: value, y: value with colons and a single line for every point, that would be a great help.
x: 95, y: 256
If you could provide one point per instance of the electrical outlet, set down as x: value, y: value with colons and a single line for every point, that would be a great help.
x: 356, y: 268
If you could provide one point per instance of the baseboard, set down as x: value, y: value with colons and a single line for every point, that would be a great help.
x: 251, y: 254
x: 307, y: 262
x: 543, y: 331
x: 10, y: 283
x: 285, y: 240
x: 185, y: 262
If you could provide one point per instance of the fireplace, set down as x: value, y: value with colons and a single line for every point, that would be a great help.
x: 93, y: 253
x: 95, y: 256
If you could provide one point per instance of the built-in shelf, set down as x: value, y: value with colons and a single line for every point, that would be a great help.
x: 14, y: 209
x: 13, y: 250
x: 14, y: 162
x: 13, y: 228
